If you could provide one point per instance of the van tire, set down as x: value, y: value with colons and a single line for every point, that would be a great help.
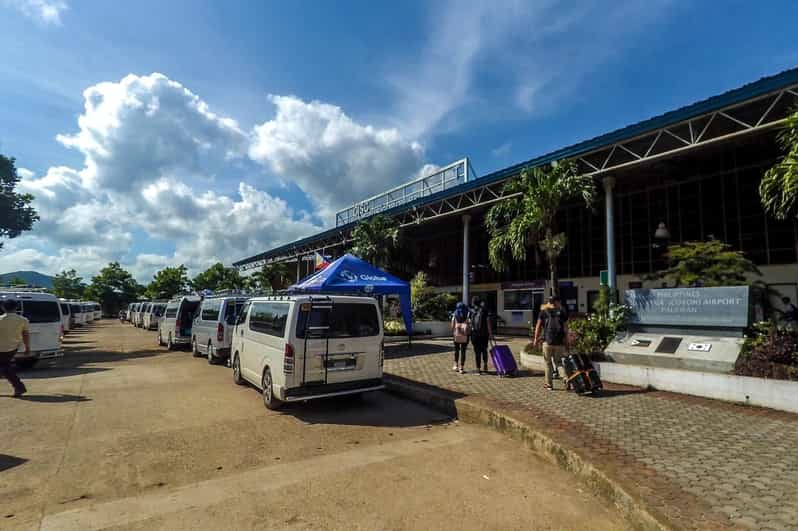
x: 26, y: 363
x: 237, y: 379
x: 169, y: 344
x: 269, y: 399
x: 212, y: 360
x: 194, y: 351
x: 160, y: 339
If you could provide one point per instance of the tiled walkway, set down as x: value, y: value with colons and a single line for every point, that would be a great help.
x: 703, y: 463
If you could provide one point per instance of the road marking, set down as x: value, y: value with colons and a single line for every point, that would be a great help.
x: 210, y: 492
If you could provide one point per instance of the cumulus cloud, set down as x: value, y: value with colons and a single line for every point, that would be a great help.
x: 43, y: 11
x: 332, y: 158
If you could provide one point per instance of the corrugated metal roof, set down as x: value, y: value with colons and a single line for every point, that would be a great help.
x: 746, y: 92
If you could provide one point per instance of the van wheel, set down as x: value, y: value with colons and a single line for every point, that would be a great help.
x: 160, y: 339
x: 237, y: 379
x: 169, y: 344
x: 211, y: 358
x: 194, y: 351
x: 268, y: 392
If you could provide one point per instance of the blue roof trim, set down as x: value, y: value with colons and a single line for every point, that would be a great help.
x: 749, y: 91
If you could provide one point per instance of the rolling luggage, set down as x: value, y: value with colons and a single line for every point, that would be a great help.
x: 503, y: 359
x: 581, y: 376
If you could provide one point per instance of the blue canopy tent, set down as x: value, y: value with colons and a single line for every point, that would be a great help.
x: 350, y: 274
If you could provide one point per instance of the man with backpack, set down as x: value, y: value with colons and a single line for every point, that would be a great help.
x: 481, y: 331
x: 553, y: 330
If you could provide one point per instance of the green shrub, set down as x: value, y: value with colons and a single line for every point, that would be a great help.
x: 428, y: 304
x: 769, y: 352
x: 592, y: 334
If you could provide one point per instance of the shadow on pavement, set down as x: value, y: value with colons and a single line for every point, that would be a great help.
x: 58, y: 372
x: 378, y: 409
x: 612, y: 393
x: 10, y: 461
x: 53, y: 399
x: 403, y: 350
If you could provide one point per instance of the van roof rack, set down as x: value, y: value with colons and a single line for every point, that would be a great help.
x: 23, y: 289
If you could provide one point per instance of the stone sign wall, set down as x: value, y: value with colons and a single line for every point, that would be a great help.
x: 690, y: 307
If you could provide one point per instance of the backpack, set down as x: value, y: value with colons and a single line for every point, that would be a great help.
x: 553, y: 332
x: 480, y: 323
x: 461, y: 331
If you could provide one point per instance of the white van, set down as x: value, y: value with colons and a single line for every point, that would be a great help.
x: 301, y: 347
x: 134, y: 309
x: 212, y: 330
x: 87, y: 311
x: 78, y: 318
x: 43, y: 311
x: 98, y: 311
x: 175, y: 326
x: 66, y: 315
x: 143, y: 310
x: 153, y: 316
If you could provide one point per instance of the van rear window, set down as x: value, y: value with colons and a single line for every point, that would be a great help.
x: 65, y: 309
x: 345, y: 320
x: 41, y: 311
x: 75, y: 308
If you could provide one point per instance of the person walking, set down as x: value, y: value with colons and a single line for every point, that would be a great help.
x: 460, y: 331
x: 481, y: 331
x: 552, y: 329
x: 13, y: 331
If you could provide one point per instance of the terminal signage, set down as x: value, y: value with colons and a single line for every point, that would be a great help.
x: 690, y: 307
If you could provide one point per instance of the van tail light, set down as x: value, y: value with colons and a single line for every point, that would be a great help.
x: 62, y: 332
x: 382, y: 352
x: 288, y: 359
x: 177, y: 326
x: 220, y: 332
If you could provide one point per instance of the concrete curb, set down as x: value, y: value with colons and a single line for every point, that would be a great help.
x: 469, y: 409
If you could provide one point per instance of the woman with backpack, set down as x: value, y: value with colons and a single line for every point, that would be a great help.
x: 481, y: 332
x: 461, y: 329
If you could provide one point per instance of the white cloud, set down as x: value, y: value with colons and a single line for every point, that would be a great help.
x: 43, y: 11
x: 533, y: 53
x: 502, y: 150
x: 25, y: 173
x: 332, y: 158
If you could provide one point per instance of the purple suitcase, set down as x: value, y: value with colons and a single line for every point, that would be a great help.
x: 503, y: 359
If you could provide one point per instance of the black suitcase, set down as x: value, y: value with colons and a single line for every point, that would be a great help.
x: 581, y: 375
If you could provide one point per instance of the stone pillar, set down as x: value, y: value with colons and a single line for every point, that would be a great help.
x: 609, y: 203
x: 466, y: 258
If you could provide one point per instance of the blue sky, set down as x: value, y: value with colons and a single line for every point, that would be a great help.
x: 159, y: 133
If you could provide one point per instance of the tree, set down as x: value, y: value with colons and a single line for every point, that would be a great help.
x: 113, y: 287
x: 375, y: 239
x: 426, y: 303
x: 271, y: 277
x: 217, y: 277
x: 710, y: 263
x: 68, y: 284
x: 19, y: 281
x: 530, y: 218
x: 16, y: 214
x: 778, y: 189
x: 168, y: 282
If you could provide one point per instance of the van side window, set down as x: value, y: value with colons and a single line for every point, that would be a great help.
x: 210, y: 310
x: 268, y: 318
x: 171, y: 312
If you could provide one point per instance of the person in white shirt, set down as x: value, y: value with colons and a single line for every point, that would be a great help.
x: 13, y: 332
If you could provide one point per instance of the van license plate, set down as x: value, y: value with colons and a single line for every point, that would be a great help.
x: 341, y: 365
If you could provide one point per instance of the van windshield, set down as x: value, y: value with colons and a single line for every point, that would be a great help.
x: 41, y: 311
x: 345, y: 320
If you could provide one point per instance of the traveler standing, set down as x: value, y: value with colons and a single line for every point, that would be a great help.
x: 552, y: 329
x: 460, y: 331
x: 13, y: 331
x: 481, y: 331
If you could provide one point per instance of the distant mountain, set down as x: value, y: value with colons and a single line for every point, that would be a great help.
x: 31, y: 277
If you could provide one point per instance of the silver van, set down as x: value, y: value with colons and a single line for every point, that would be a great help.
x: 175, y: 326
x: 153, y: 316
x: 212, y: 329
x: 143, y: 310
x: 301, y: 347
x: 43, y: 312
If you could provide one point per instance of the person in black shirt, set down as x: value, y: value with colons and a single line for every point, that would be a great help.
x: 552, y: 329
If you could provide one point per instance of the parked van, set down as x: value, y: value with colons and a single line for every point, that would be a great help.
x: 134, y: 313
x: 301, y: 347
x: 43, y: 311
x: 78, y: 318
x: 212, y: 330
x: 154, y: 315
x: 145, y: 307
x: 175, y: 326
x: 87, y: 309
x: 98, y: 311
x: 66, y: 315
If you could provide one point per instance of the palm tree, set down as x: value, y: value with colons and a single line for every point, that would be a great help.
x: 374, y: 240
x: 778, y: 190
x: 530, y: 218
x: 271, y: 277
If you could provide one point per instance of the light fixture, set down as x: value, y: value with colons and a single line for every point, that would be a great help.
x: 662, y: 232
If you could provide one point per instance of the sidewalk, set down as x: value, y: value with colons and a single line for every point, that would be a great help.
x: 692, y: 463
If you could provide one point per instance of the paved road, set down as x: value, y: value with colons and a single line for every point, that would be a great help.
x: 122, y: 434
x: 704, y: 463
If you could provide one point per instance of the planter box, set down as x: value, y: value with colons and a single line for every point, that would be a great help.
x: 432, y: 328
x: 763, y: 392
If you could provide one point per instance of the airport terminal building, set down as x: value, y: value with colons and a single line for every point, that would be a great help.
x: 689, y: 174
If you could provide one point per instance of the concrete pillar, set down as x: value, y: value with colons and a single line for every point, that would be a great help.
x: 466, y: 258
x: 609, y: 203
x: 298, y: 265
